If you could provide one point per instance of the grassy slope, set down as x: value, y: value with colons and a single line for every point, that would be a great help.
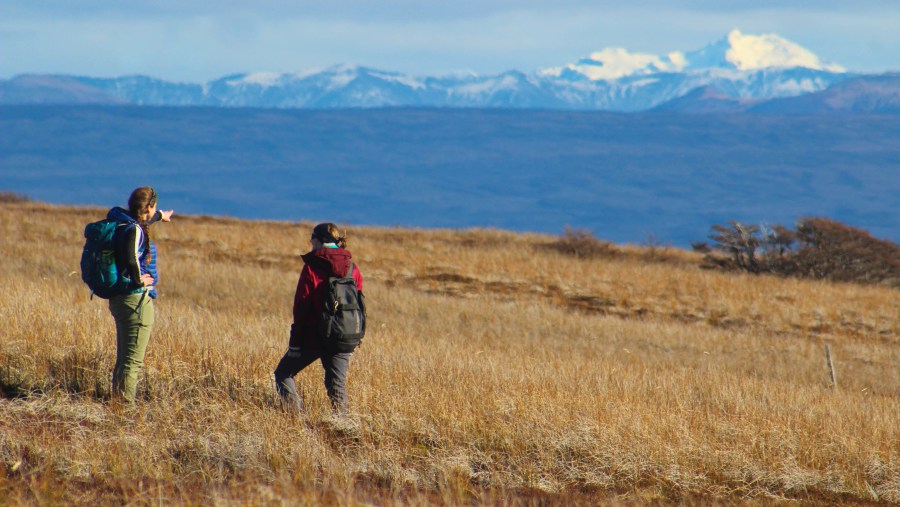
x: 495, y: 370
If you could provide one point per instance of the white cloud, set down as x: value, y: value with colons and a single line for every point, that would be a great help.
x: 677, y: 59
x: 202, y: 40
x: 613, y: 63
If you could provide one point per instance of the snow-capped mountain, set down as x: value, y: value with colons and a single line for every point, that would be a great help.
x: 739, y: 66
x: 755, y: 52
x: 735, y: 52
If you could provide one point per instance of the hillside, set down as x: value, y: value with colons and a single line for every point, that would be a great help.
x: 771, y: 91
x: 873, y: 94
x: 496, y: 370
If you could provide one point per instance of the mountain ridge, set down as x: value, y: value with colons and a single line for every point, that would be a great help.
x: 740, y: 66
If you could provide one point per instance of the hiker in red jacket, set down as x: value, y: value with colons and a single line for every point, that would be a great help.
x: 328, y: 258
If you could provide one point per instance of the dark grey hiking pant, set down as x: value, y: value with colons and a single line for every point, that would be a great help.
x: 335, y: 365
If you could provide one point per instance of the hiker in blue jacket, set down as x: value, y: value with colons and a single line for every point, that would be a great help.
x: 133, y: 310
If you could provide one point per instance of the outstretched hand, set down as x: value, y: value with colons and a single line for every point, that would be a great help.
x: 166, y: 215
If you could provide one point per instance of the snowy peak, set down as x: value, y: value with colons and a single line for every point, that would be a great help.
x: 334, y: 77
x: 738, y: 67
x: 754, y: 52
x: 261, y: 79
x: 736, y: 51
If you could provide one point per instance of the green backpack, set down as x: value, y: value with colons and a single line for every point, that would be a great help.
x: 98, y: 259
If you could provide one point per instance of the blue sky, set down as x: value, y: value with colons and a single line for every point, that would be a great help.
x: 200, y: 40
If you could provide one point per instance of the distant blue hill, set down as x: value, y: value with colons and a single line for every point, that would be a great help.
x: 871, y: 94
x: 738, y: 72
x: 344, y: 87
x: 623, y: 176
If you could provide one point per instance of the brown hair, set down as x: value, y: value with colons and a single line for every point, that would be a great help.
x: 141, y: 199
x: 329, y: 233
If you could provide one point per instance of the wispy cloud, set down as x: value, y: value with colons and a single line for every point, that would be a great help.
x: 205, y: 39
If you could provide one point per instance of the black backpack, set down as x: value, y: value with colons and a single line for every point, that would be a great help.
x: 343, y: 321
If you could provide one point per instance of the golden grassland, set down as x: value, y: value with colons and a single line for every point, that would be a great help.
x: 495, y: 371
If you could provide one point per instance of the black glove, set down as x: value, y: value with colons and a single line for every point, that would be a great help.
x: 295, y: 338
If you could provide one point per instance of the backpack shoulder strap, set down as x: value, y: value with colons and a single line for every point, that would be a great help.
x: 130, y: 251
x: 350, y: 271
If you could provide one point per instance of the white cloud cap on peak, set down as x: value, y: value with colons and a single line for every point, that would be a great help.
x: 613, y: 63
x: 751, y: 52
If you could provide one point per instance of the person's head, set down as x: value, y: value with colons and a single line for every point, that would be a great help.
x: 327, y: 233
x: 142, y: 203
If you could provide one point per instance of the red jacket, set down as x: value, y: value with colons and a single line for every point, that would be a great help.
x: 309, y: 300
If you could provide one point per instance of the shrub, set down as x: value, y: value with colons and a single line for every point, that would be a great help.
x: 819, y: 248
x: 582, y: 243
x: 832, y: 250
x: 739, y: 243
x: 12, y: 197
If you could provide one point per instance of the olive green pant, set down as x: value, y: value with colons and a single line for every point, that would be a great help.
x: 134, y: 320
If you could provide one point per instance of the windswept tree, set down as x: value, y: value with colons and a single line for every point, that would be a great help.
x: 819, y: 248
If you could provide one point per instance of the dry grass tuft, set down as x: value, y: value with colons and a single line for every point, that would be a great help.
x: 12, y: 197
x: 496, y: 371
